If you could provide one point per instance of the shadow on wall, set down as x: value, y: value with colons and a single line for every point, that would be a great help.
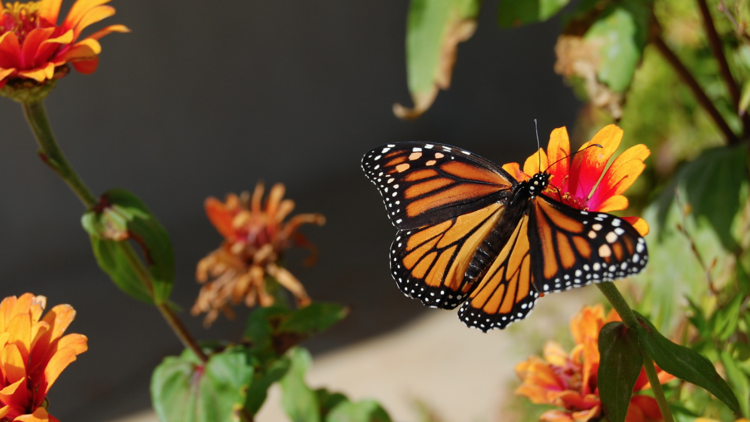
x: 201, y: 101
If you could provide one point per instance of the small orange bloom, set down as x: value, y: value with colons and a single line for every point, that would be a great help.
x: 577, y: 182
x: 33, y: 353
x: 570, y: 380
x: 32, y: 45
x: 255, y: 238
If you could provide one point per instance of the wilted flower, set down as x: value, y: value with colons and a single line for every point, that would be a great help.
x: 255, y: 238
x: 33, y: 45
x: 577, y: 182
x: 570, y: 380
x: 34, y: 353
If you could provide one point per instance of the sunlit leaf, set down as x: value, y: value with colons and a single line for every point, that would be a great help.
x: 684, y: 363
x: 121, y: 216
x: 433, y: 30
x: 619, y: 368
x: 184, y: 390
x: 262, y: 381
x: 361, y: 411
x: 739, y: 382
x: 314, y: 318
x: 512, y: 13
x: 299, y: 401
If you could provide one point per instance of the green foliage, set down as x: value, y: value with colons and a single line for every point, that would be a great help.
x: 619, y: 367
x: 684, y: 363
x: 620, y: 33
x: 120, y: 216
x: 303, y: 404
x: 184, y: 390
x: 738, y: 380
x: 512, y: 13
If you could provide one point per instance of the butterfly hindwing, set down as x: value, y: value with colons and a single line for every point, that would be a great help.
x: 573, y: 248
x: 423, y: 184
x: 430, y: 263
x: 506, y: 293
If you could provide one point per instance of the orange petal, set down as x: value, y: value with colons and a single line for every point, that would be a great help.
x: 77, y: 342
x: 49, y: 10
x: 86, y: 67
x: 555, y: 354
x: 60, y: 318
x: 39, y: 74
x: 6, y: 306
x: 635, y: 414
x: 10, y: 51
x: 108, y: 30
x: 515, y: 170
x: 23, y: 304
x: 647, y: 405
x: 5, y: 410
x: 620, y: 175
x: 10, y: 389
x: 558, y: 151
x: 639, y: 224
x: 39, y: 415
x: 589, y: 164
x: 220, y: 217
x: 535, y: 162
x: 556, y: 416
x: 614, y: 203
x: 585, y: 416
x: 37, y: 307
x: 47, y: 48
x: 13, y: 363
x: 79, y: 9
x: 93, y: 16
x: 587, y: 323
x: 56, y: 365
x: 78, y: 52
x: 20, y: 333
x: 31, y: 46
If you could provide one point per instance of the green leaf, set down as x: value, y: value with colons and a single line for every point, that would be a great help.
x: 738, y: 380
x: 119, y: 216
x: 262, y: 381
x: 433, y: 30
x: 698, y: 319
x: 684, y: 363
x: 361, y: 411
x: 299, y: 401
x: 512, y: 13
x: 182, y: 390
x: 328, y: 400
x: 314, y: 318
x: 726, y: 319
x: 621, y: 33
x: 707, y: 182
x: 619, y: 368
x: 745, y: 97
x: 113, y: 261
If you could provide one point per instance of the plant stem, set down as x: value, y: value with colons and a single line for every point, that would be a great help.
x: 53, y: 156
x: 51, y: 153
x: 698, y: 92
x: 628, y: 318
x: 653, y: 379
x: 717, y: 49
x: 618, y: 302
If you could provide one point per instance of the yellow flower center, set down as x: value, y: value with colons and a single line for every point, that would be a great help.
x: 20, y: 18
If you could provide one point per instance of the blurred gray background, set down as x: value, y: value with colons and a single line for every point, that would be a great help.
x: 206, y: 98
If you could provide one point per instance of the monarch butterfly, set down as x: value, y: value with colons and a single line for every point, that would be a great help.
x: 469, y: 232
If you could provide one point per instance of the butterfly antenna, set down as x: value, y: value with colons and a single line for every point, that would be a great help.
x: 538, y: 146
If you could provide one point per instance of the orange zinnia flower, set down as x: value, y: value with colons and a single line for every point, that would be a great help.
x: 570, y: 380
x: 577, y: 182
x: 34, y: 353
x: 32, y: 45
x: 255, y: 238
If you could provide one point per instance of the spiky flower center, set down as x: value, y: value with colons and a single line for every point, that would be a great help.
x: 21, y: 18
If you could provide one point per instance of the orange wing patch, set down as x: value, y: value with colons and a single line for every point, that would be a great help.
x: 430, y: 263
x: 505, y: 294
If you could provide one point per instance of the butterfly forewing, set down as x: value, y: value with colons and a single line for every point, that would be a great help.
x: 424, y: 184
x: 430, y: 263
x: 576, y: 248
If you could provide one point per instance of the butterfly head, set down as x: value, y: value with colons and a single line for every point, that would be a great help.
x: 537, y: 184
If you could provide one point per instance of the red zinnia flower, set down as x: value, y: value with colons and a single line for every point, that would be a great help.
x: 583, y: 182
x: 569, y: 381
x: 33, y: 353
x: 32, y: 45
